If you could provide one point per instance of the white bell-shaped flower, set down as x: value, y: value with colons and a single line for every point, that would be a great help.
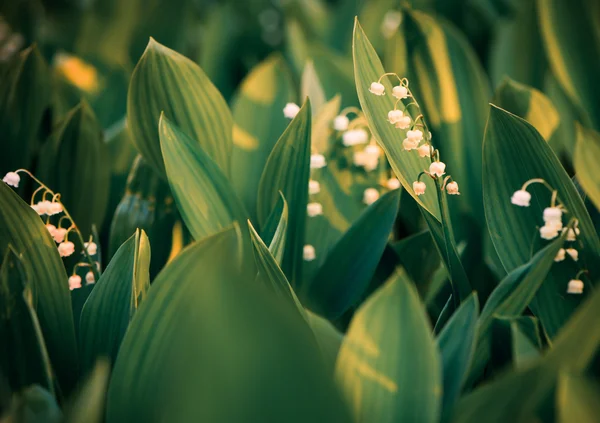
x: 74, y: 282
x: 392, y: 183
x: 549, y: 231
x: 560, y: 256
x: 373, y: 150
x: 415, y: 135
x: 419, y: 187
x: 340, y: 123
x: 54, y: 208
x: 394, y: 116
x: 575, y: 286
x: 317, y: 161
x: 51, y: 229
x: 314, y: 209
x: 355, y: 137
x: 572, y: 234
x: 314, y: 187
x: 452, y: 188
x: 308, y: 253
x: 552, y: 214
x: 573, y: 253
x: 400, y: 92
x: 65, y: 249
x: 377, y: 88
x: 59, y: 235
x: 424, y: 150
x: 91, y: 248
x: 89, y: 277
x: 12, y: 179
x: 521, y: 198
x: 437, y: 168
x: 370, y: 196
x: 291, y: 110
x: 403, y: 123
x: 410, y: 145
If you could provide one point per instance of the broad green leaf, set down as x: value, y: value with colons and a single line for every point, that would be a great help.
x: 177, y: 363
x: 33, y: 405
x: 270, y: 272
x: 287, y: 171
x: 406, y: 166
x: 274, y: 221
x: 577, y: 399
x: 513, y: 295
x: 24, y: 98
x: 388, y: 366
x: 529, y: 104
x: 88, y: 405
x: 586, y: 151
x: 23, y: 360
x: 22, y: 228
x: 114, y: 300
x: 571, y: 37
x: 514, y: 152
x: 456, y: 343
x: 258, y: 114
x: 166, y: 82
x: 310, y: 87
x: 516, y: 342
x: 328, y: 337
x: 277, y: 244
x: 203, y: 194
x: 517, y: 51
x: 449, y: 82
x: 148, y: 205
x: 74, y: 163
x: 334, y: 289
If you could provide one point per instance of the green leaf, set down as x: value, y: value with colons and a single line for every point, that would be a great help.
x: 33, y: 405
x: 515, y: 341
x: 114, y: 300
x: 335, y: 288
x: 177, y: 361
x: 23, y: 360
x: 577, y: 399
x: 165, y: 81
x: 388, y: 366
x: 529, y: 104
x: 368, y: 69
x: 456, y: 343
x: 328, y: 337
x: 514, y: 152
x: 270, y: 272
x: 203, y: 194
x: 586, y: 150
x: 74, y: 163
x: 277, y: 244
x: 22, y: 228
x: 310, y: 87
x: 24, y: 97
x: 88, y: 405
x: 258, y: 114
x: 287, y: 171
x: 570, y: 34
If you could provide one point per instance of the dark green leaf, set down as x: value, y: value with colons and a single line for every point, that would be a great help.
x: 587, y: 151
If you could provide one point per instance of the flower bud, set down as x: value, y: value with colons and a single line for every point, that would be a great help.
x: 308, y: 253
x: 340, y: 123
x: 317, y: 161
x: 291, y: 110
x: 370, y: 196
x: 314, y: 209
x: 314, y: 187
x: 89, y: 277
x: 377, y: 88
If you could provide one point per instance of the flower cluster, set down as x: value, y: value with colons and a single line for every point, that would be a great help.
x: 50, y: 205
x: 418, y: 136
x: 553, y: 226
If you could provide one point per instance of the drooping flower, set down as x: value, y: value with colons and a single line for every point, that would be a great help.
x: 553, y: 214
x: 355, y: 137
x: 39, y: 207
x: 314, y: 209
x: 410, y: 145
x: 317, y: 161
x: 437, y: 168
x: 560, y: 256
x: 573, y: 253
x: 65, y: 249
x: 89, y: 277
x: 424, y: 150
x: 370, y: 196
x: 549, y: 230
x: 377, y: 88
x: 415, y: 135
x: 59, y: 235
x: 521, y: 198
x: 314, y: 187
x: 54, y: 208
x: 575, y: 286
x: 308, y: 253
x: 291, y: 110
x: 392, y: 183
x: 394, y: 116
x: 419, y: 187
x: 400, y: 92
x: 74, y: 282
x: 12, y: 179
x: 91, y: 248
x: 572, y: 234
x: 452, y: 188
x: 340, y: 123
x: 403, y: 122
x: 51, y: 229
